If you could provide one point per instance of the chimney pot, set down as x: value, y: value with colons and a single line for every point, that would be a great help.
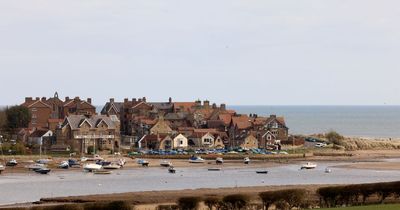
x: 43, y: 98
x: 112, y: 100
x: 89, y: 100
x: 67, y: 98
x: 126, y: 100
x: 37, y: 98
x: 133, y: 99
x: 144, y: 99
x: 28, y: 99
x: 170, y: 100
x: 223, y: 107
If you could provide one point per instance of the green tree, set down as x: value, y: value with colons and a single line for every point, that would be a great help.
x: 18, y: 117
x: 3, y: 119
x: 188, y: 203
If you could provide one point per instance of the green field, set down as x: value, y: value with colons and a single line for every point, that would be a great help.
x: 372, y: 207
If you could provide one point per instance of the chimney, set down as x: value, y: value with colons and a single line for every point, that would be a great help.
x: 170, y: 100
x: 37, y: 98
x: 272, y: 116
x: 89, y: 100
x: 76, y: 98
x: 66, y: 99
x: 134, y: 100
x: 198, y: 103
x: 206, y: 104
x: 43, y: 98
x: 139, y: 100
x: 126, y: 100
x: 144, y: 99
x: 111, y: 100
x: 28, y: 99
x: 214, y: 106
x: 223, y: 107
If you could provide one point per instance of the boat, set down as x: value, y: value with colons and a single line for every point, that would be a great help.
x: 43, y: 161
x: 143, y: 162
x: 64, y: 165
x: 2, y: 168
x: 12, y: 163
x: 262, y: 172
x: 84, y: 159
x: 165, y: 163
x: 102, y: 172
x: 121, y: 162
x: 42, y: 170
x: 328, y: 170
x: 309, y: 165
x: 35, y: 166
x: 196, y: 159
x: 92, y: 167
x: 72, y: 162
x: 171, y: 170
x: 214, y: 169
x: 246, y: 160
x: 103, y: 162
x: 112, y: 166
x: 219, y: 160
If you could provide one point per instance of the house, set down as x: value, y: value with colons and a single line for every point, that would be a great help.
x: 81, y: 132
x: 155, y: 142
x: 40, y: 112
x: 77, y: 106
x: 43, y: 138
x: 112, y: 108
x: 180, y: 142
x: 249, y: 142
x: 161, y: 127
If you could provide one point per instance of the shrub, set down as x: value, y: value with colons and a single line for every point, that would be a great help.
x: 281, y: 205
x: 120, y: 205
x: 268, y: 198
x: 334, y: 138
x: 236, y: 201
x: 188, y: 203
x: 211, y: 202
x: 294, y: 197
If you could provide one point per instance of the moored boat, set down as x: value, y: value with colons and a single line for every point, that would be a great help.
x: 262, y: 172
x: 219, y: 160
x: 43, y: 161
x: 92, y: 167
x: 2, y: 168
x: 64, y: 165
x: 246, y: 160
x: 214, y: 169
x: 143, y: 162
x: 328, y: 170
x: 35, y: 166
x: 309, y: 165
x: 42, y: 170
x: 171, y: 169
x: 165, y: 163
x: 196, y: 159
x: 12, y: 163
x: 112, y: 166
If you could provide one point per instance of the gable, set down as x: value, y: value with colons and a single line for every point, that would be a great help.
x: 39, y: 104
x: 85, y: 124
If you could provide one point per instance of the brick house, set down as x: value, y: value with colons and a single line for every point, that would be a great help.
x: 79, y: 132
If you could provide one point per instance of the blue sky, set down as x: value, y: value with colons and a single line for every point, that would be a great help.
x: 257, y: 52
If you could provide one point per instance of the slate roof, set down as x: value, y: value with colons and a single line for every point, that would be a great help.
x: 118, y: 106
x: 76, y: 120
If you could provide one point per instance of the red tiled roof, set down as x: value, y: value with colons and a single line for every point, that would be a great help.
x: 226, y: 118
x: 187, y: 106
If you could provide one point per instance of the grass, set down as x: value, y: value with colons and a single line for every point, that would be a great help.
x: 372, y: 207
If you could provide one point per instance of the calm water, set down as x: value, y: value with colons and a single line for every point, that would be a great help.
x: 365, y: 121
x: 26, y: 188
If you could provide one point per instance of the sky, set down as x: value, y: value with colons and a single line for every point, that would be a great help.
x: 239, y: 52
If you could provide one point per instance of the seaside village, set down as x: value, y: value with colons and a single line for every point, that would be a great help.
x: 73, y: 125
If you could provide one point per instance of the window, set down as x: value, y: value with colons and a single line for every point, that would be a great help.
x: 181, y: 142
x: 33, y: 110
x: 34, y: 116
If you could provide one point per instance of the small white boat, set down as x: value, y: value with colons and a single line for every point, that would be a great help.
x: 195, y: 159
x: 64, y: 165
x: 2, y: 168
x: 219, y: 160
x: 309, y: 165
x: 43, y: 161
x: 328, y: 170
x: 165, y: 163
x: 91, y: 167
x: 246, y: 160
x: 112, y: 166
x: 84, y: 159
x: 35, y: 166
x: 12, y: 162
x: 171, y: 170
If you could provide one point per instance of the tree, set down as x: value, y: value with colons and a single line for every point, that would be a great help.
x: 268, y: 198
x: 3, y: 119
x: 18, y: 117
x: 211, y: 202
x: 236, y: 201
x: 334, y: 137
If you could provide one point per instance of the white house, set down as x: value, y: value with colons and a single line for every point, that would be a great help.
x: 207, y: 140
x: 180, y: 141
